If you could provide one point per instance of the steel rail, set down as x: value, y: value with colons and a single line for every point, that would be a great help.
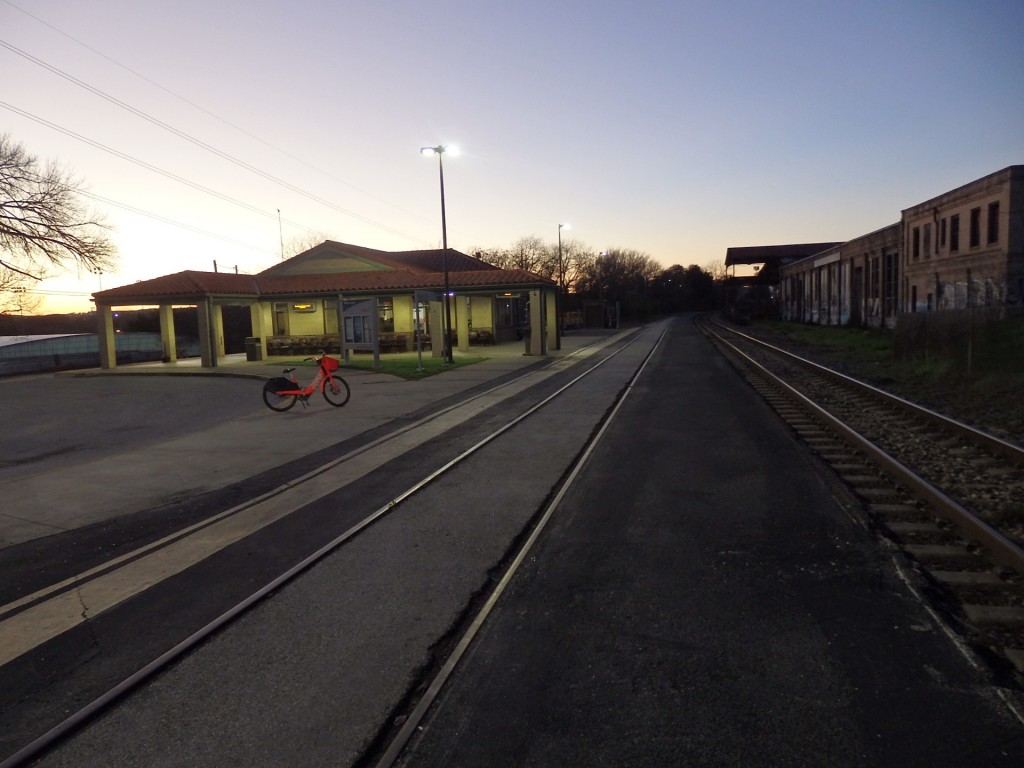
x: 77, y: 719
x: 398, y: 744
x: 993, y: 443
x: 1000, y: 549
x: 289, y: 485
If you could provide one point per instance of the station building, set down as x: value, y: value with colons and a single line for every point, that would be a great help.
x: 342, y: 298
x: 960, y: 250
x: 965, y: 248
x: 851, y: 283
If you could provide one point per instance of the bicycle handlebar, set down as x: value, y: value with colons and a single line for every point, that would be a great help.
x: 315, y: 358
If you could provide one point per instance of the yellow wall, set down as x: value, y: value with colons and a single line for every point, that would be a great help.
x: 403, y: 314
x: 306, y: 323
x: 481, y: 312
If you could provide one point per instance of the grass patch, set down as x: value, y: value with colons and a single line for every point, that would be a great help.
x: 403, y: 367
x: 928, y: 346
x: 929, y: 363
x: 864, y: 346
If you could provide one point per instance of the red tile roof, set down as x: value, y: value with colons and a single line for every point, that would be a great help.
x: 414, y: 261
x: 403, y: 271
x: 186, y: 284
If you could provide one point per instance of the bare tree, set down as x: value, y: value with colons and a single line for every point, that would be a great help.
x: 43, y: 223
x: 717, y: 269
x: 531, y: 254
x: 14, y: 296
x: 496, y: 257
x: 302, y: 243
x: 577, y: 260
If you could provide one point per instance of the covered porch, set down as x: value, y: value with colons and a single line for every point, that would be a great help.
x: 345, y: 298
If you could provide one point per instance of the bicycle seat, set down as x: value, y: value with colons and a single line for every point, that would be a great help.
x: 288, y: 370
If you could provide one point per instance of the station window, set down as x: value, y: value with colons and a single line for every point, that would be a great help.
x: 993, y: 222
x: 421, y: 321
x: 330, y: 316
x: 385, y: 314
x: 954, y: 233
x: 890, y: 282
x: 280, y: 318
x: 926, y: 246
x: 504, y: 313
x: 942, y: 234
x: 915, y: 250
x: 975, y: 229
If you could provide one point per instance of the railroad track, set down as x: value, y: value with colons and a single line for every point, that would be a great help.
x: 950, y: 496
x: 578, y: 373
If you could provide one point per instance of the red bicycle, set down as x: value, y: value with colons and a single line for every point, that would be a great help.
x: 280, y: 393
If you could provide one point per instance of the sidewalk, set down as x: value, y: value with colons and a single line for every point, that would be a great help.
x: 237, y: 365
x: 76, y: 482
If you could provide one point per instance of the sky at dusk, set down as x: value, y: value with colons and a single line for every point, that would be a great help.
x: 678, y: 129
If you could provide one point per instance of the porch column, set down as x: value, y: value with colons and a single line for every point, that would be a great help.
x: 217, y: 315
x: 342, y: 349
x: 260, y: 322
x: 554, y: 340
x: 105, y: 335
x: 538, y: 320
x: 461, y: 306
x: 167, y: 340
x: 207, y: 334
x: 436, y: 314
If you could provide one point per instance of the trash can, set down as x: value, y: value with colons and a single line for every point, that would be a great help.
x: 253, y: 349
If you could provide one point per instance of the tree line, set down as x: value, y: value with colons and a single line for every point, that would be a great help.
x: 45, y: 226
x: 634, y: 280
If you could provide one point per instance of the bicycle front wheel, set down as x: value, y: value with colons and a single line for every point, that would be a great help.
x: 336, y: 391
x: 276, y: 402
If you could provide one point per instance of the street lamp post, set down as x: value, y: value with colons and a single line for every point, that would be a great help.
x: 439, y: 150
x: 561, y: 285
x: 561, y: 268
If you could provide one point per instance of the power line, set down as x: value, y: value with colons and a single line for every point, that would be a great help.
x: 172, y: 222
x: 317, y: 168
x: 157, y: 170
x: 135, y: 160
x: 199, y: 143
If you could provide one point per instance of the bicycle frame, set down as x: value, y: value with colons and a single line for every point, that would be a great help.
x: 317, y: 382
x: 282, y: 393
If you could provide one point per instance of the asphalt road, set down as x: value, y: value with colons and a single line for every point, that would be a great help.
x: 309, y: 676
x: 49, y: 420
x: 704, y: 598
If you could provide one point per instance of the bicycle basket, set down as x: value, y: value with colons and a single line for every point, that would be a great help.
x: 280, y: 384
x: 330, y: 364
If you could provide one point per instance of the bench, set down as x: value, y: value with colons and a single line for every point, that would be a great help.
x: 303, y: 345
x: 393, y: 342
x: 481, y: 336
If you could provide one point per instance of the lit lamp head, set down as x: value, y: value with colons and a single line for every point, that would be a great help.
x: 440, y: 149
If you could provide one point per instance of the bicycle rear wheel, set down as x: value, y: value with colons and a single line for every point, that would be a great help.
x: 336, y: 391
x: 276, y: 402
